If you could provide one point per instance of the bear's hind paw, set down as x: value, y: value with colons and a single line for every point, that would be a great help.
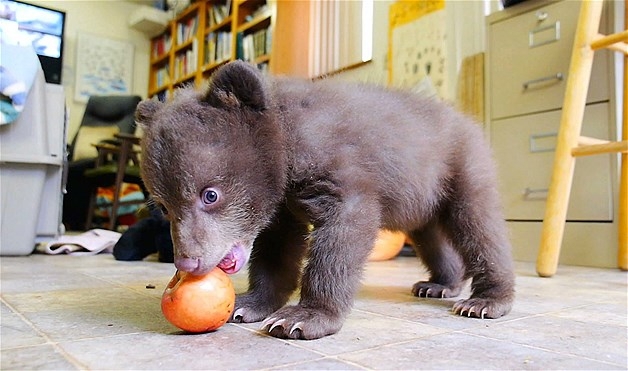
x: 481, y: 308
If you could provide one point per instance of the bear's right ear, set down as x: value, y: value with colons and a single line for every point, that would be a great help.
x: 235, y: 85
x: 145, y: 111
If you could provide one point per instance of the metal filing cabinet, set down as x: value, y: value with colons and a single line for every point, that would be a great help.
x: 528, y: 54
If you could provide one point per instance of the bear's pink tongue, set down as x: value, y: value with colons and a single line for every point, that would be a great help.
x: 234, y: 260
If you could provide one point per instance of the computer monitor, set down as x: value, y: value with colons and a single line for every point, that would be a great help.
x: 41, y: 26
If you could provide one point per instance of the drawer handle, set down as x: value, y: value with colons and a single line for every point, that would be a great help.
x: 540, y: 193
x: 543, y: 142
x: 558, y: 77
x: 544, y: 35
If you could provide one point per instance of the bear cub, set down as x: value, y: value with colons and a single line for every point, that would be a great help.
x: 244, y: 169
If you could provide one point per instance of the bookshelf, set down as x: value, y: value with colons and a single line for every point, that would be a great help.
x: 206, y: 35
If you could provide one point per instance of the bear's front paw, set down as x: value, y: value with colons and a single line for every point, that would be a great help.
x: 297, y: 322
x: 482, y: 307
x: 425, y: 289
x: 248, y: 308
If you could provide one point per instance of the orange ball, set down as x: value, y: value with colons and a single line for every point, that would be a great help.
x: 198, y: 303
x: 387, y: 245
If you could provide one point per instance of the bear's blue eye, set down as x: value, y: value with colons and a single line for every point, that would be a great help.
x: 209, y: 196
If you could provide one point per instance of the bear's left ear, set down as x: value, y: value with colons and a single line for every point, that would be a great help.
x: 237, y: 84
x: 145, y: 111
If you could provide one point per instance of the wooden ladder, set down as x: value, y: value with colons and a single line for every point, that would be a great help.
x: 570, y: 144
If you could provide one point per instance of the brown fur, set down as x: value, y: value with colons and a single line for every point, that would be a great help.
x: 280, y: 154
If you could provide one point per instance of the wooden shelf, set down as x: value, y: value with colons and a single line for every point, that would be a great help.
x: 226, y: 23
x: 259, y: 22
x: 247, y: 21
x: 160, y: 59
x: 185, y: 45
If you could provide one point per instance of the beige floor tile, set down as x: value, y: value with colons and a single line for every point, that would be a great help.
x: 460, y: 351
x: 63, y: 312
x: 41, y: 357
x: 583, y: 338
x: 228, y: 348
x: 16, y: 332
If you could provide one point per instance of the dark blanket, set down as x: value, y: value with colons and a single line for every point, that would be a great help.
x: 148, y: 236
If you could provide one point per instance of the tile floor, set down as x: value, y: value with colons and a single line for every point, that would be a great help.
x: 68, y: 312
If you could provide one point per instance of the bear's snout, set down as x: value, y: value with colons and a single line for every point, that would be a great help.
x: 190, y: 265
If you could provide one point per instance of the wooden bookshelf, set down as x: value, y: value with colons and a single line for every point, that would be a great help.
x: 206, y: 35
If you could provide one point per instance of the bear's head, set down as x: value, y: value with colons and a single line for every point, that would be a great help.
x: 215, y: 162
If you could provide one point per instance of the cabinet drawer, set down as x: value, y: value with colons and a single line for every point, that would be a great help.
x: 524, y: 149
x: 529, y: 59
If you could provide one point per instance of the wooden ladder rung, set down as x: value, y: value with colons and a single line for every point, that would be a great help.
x: 616, y: 42
x: 601, y: 146
x: 587, y: 141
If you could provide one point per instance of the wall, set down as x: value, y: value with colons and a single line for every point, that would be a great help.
x: 103, y: 18
x: 465, y: 31
x: 108, y: 18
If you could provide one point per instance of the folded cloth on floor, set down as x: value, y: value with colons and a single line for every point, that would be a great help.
x: 91, y: 242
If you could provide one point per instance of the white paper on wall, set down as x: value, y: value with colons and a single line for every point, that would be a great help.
x: 104, y: 66
x: 418, y: 45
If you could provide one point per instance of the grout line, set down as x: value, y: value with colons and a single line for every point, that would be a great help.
x: 294, y: 365
x: 541, y: 348
x: 445, y: 329
x: 68, y: 357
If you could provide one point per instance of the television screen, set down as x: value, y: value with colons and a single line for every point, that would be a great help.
x: 43, y: 28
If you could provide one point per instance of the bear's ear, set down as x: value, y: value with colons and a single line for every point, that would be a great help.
x: 237, y: 84
x: 145, y: 111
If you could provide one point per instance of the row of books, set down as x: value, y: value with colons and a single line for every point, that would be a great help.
x: 262, y: 10
x: 186, y: 30
x: 162, y: 76
x: 186, y: 63
x: 254, y: 45
x: 161, y: 45
x: 218, y: 13
x: 217, y: 47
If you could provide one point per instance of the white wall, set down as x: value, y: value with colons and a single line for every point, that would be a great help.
x: 108, y: 18
x: 465, y: 33
x: 104, y: 18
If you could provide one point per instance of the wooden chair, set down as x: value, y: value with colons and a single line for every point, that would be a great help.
x: 123, y: 168
x: 571, y: 145
x: 104, y: 116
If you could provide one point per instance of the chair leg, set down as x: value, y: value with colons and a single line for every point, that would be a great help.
x: 622, y: 251
x: 123, y: 158
x: 113, y: 215
x: 568, y: 134
x: 555, y: 212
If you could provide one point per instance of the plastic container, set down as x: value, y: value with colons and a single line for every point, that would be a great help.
x: 21, y: 185
x: 31, y: 166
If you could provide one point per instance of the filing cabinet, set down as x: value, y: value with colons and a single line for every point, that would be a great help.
x: 527, y: 63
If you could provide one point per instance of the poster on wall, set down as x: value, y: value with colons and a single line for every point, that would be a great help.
x: 417, y: 45
x: 103, y: 67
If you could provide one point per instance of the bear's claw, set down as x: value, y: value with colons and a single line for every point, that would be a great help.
x: 490, y: 308
x: 238, y: 315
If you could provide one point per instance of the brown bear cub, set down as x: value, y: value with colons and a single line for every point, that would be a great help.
x: 244, y: 168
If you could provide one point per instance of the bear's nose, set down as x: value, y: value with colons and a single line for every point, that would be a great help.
x: 186, y: 264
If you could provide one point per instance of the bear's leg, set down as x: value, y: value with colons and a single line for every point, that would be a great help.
x: 473, y: 221
x: 274, y: 269
x: 443, y: 262
x: 338, y: 251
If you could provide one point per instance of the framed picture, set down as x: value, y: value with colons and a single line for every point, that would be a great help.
x: 103, y: 67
